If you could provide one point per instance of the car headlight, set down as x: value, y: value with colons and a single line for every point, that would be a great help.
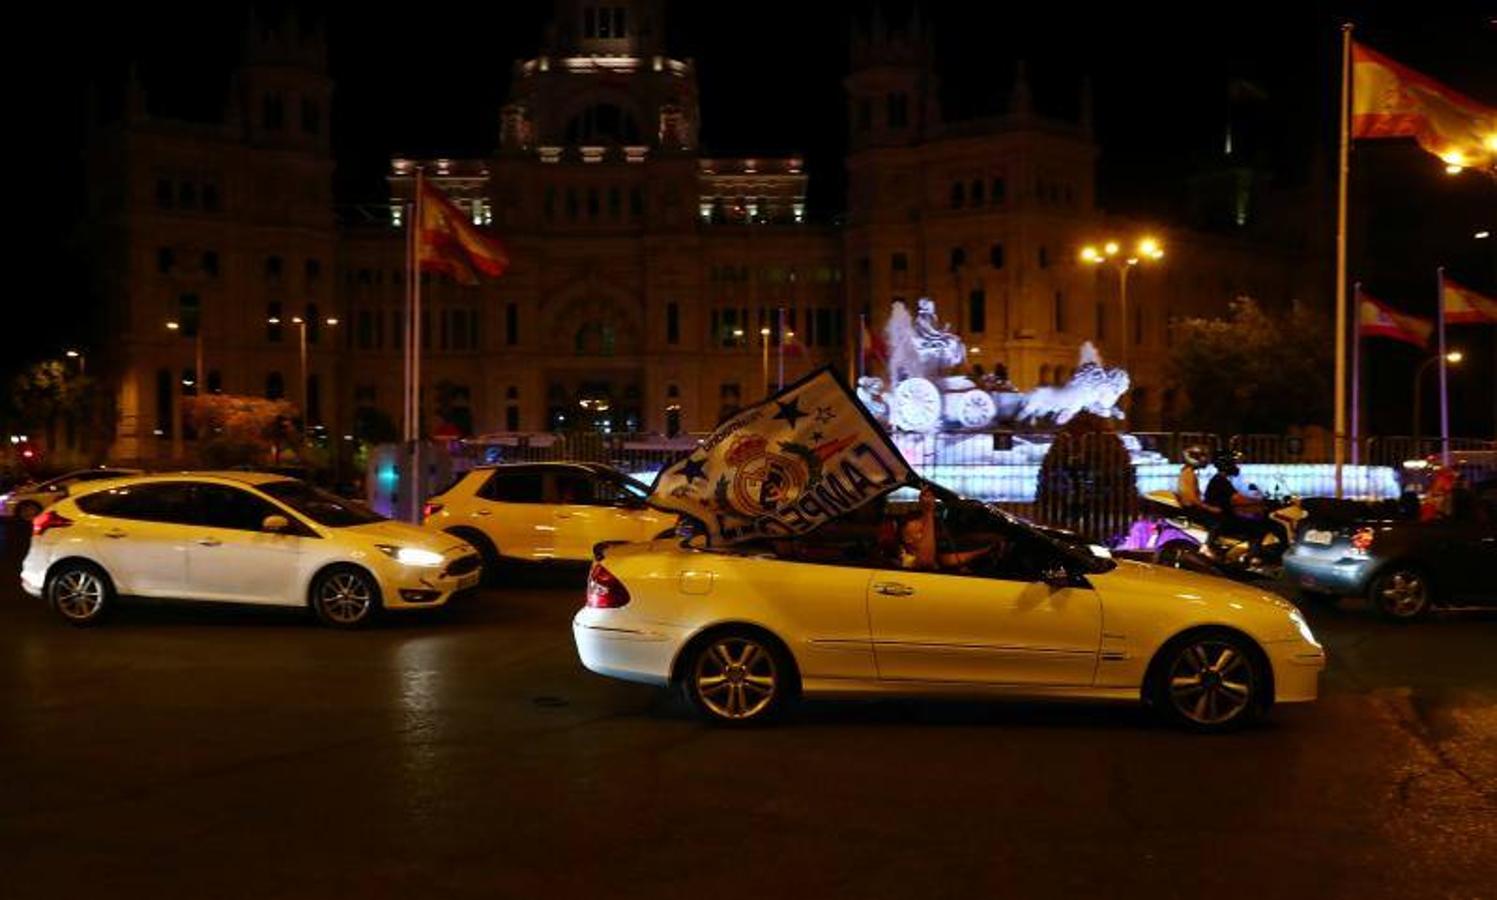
x: 410, y: 556
x: 1298, y: 618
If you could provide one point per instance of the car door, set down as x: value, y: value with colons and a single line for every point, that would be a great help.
x: 231, y: 557
x: 140, y: 534
x: 1002, y: 626
x: 593, y: 506
x: 509, y: 508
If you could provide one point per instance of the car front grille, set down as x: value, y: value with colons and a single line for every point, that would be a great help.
x: 463, y: 565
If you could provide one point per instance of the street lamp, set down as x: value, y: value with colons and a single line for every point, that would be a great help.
x: 764, y: 362
x: 78, y: 355
x: 301, y: 323
x: 1148, y: 249
x: 175, y: 325
x: 1453, y: 358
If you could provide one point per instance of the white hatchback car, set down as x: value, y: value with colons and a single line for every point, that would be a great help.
x: 237, y: 537
x: 545, y: 512
x: 742, y: 631
x: 26, y: 500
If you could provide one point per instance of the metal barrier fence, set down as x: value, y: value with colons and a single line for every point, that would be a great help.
x: 1090, y: 483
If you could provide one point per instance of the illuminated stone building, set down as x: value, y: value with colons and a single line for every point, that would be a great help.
x: 644, y: 274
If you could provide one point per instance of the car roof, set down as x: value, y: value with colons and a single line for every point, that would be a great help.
x: 253, y: 479
x: 552, y: 464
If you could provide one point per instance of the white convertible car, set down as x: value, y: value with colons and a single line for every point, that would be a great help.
x: 743, y: 631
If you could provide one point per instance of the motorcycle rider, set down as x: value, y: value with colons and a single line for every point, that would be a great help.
x: 1242, y: 516
x: 1188, y: 484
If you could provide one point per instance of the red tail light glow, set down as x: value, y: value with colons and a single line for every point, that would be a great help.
x: 430, y: 509
x: 46, y: 520
x: 604, y: 590
x: 1362, y: 540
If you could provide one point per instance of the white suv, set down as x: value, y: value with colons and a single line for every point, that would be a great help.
x: 237, y: 537
x: 545, y: 512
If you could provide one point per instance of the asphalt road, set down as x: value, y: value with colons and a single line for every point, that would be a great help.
x: 224, y: 753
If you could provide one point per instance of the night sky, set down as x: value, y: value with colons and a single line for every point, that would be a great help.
x: 771, y: 82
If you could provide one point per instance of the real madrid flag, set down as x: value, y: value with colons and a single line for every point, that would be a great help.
x: 782, y: 467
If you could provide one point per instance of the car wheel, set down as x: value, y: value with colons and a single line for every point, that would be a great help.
x: 27, y: 511
x: 486, y: 551
x: 1402, y: 593
x: 80, y: 592
x: 1210, y: 681
x: 345, y: 597
x: 737, y: 677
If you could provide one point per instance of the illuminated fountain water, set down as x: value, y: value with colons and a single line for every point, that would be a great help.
x: 983, y: 437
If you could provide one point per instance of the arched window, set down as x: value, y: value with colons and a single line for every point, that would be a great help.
x: 596, y: 339
x: 275, y: 386
x: 977, y: 192
x: 958, y: 195
x: 1045, y: 374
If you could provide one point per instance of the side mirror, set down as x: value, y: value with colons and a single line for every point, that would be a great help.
x: 275, y: 524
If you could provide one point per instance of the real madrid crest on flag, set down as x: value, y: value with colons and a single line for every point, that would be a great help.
x: 808, y: 454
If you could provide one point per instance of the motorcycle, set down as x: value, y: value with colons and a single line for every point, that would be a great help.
x: 1178, y: 536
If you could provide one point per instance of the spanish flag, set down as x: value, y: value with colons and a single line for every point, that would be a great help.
x: 1377, y: 319
x: 1463, y: 306
x: 1390, y: 100
x: 449, y: 242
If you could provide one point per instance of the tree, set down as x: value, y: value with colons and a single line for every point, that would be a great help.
x: 235, y: 430
x: 1252, y: 372
x: 48, y: 396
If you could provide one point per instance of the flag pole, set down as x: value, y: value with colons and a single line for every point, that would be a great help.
x: 861, y: 363
x: 415, y: 332
x: 1342, y: 165
x: 1356, y: 373
x: 405, y: 349
x: 1444, y: 393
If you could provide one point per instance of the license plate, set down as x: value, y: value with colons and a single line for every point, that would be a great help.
x: 1316, y: 536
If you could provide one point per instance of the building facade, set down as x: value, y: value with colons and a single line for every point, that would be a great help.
x: 652, y: 288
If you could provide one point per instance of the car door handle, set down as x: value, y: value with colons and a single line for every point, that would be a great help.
x: 562, y: 515
x: 481, y: 512
x: 893, y: 589
x: 208, y: 542
x: 114, y: 533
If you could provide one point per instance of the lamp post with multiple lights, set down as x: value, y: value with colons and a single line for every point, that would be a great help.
x: 301, y: 323
x: 1148, y: 249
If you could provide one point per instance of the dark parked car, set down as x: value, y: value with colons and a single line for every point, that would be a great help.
x: 1403, y: 566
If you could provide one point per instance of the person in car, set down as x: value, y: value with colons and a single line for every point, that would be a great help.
x: 918, y: 548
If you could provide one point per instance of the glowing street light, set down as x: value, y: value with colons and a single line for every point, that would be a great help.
x: 1452, y: 357
x: 301, y: 324
x: 78, y: 355
x: 1148, y: 248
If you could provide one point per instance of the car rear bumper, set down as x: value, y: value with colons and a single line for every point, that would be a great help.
x: 610, y: 645
x: 1297, y: 665
x: 1332, y: 573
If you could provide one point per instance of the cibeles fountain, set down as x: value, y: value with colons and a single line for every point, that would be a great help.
x: 983, y: 437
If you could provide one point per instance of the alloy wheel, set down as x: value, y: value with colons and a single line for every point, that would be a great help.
x: 78, y: 594
x: 345, y: 598
x: 736, y: 678
x: 1403, y: 594
x: 1211, y: 682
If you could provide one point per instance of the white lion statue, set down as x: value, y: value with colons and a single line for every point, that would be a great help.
x: 1093, y: 388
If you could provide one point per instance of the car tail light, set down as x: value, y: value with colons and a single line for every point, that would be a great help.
x: 604, y: 590
x: 48, y: 519
x: 1361, y: 540
x: 430, y: 509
